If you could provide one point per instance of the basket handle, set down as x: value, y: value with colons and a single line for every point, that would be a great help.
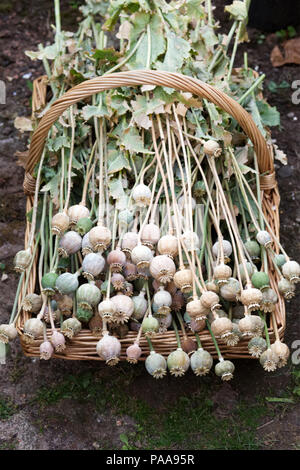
x: 148, y: 77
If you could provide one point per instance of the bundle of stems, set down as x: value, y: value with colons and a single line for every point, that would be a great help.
x: 148, y: 212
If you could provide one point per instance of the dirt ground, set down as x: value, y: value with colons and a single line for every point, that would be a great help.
x: 36, y: 412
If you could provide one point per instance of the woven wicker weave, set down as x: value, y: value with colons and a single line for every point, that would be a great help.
x: 83, y: 346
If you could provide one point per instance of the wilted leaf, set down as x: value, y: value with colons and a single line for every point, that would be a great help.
x: 209, y: 37
x: 116, y: 190
x: 124, y: 30
x: 90, y: 111
x: 245, y: 169
x: 241, y: 155
x: 157, y: 40
x: 163, y: 5
x: 190, y: 101
x: 58, y: 143
x: 49, y: 52
x: 195, y: 8
x: 117, y: 161
x: 114, y: 12
x: 280, y: 155
x: 147, y: 88
x: 181, y: 110
x: 291, y: 53
x: 238, y: 10
x: 227, y: 138
x: 52, y: 186
x: 132, y: 141
x: 143, y: 107
x: 118, y: 103
x: 177, y: 50
x: 145, y: 5
x: 23, y: 124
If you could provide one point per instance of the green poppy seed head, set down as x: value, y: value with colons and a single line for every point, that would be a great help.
x: 260, y: 280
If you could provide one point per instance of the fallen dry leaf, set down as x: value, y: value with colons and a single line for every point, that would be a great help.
x: 23, y: 124
x: 181, y: 110
x: 280, y: 155
x: 124, y: 31
x: 291, y: 53
x: 22, y: 158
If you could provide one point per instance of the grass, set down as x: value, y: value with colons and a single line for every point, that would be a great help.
x: 188, y: 423
x: 6, y: 6
x: 296, y: 381
x: 8, y: 445
x: 7, y: 408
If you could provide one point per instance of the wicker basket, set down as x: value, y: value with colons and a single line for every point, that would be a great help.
x: 83, y: 346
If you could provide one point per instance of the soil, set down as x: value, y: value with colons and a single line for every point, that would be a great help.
x: 23, y: 25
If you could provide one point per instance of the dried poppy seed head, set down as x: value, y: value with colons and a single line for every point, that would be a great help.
x: 291, y: 270
x: 22, y: 260
x: 100, y: 238
x: 60, y: 223
x: 162, y: 268
x: 8, y: 332
x: 269, y: 360
x: 77, y: 212
x: 46, y: 350
x: 212, y: 148
x: 257, y: 346
x: 168, y: 245
x: 183, y: 280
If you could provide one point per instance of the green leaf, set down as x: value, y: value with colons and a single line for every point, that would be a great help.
x: 124, y: 439
x: 58, y: 143
x: 52, y: 186
x: 177, y: 50
x: 145, y: 5
x: 157, y: 40
x: 238, y: 10
x: 209, y: 37
x: 296, y: 390
x: 163, y: 5
x: 114, y: 12
x: 161, y: 94
x: 117, y: 161
x: 90, y: 111
x: 253, y: 109
x: 269, y: 114
x: 195, y: 8
x: 49, y: 52
x: 143, y: 107
x: 272, y: 86
x: 76, y: 164
x: 216, y: 120
x: 116, y: 190
x: 132, y: 141
x: 245, y: 169
x: 108, y: 55
x: 118, y: 103
x: 279, y: 400
x: 77, y: 77
x: 139, y: 26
